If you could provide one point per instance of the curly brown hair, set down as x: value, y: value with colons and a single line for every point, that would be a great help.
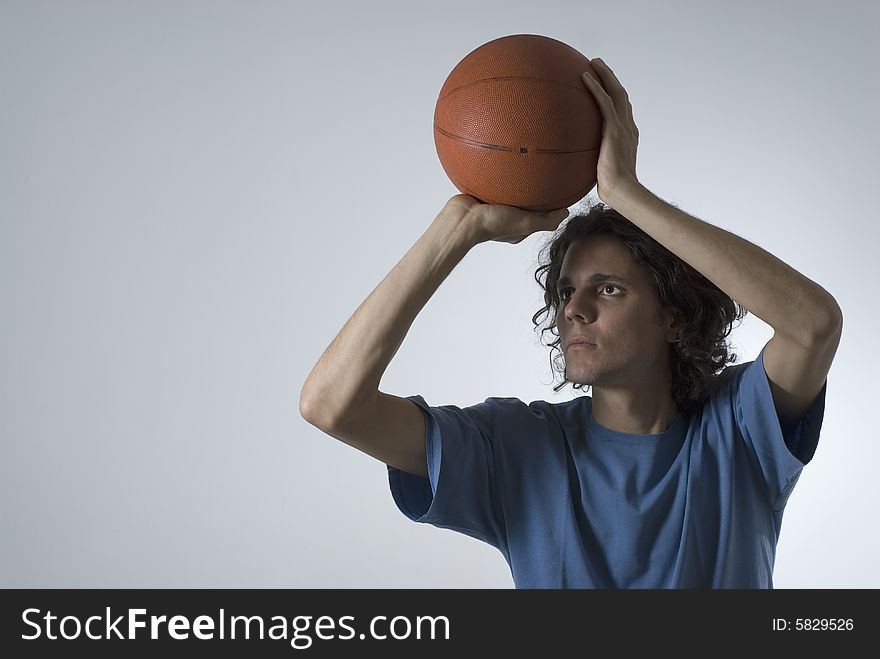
x: 701, y: 354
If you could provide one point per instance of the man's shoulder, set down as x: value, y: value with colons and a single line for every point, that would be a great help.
x: 730, y: 376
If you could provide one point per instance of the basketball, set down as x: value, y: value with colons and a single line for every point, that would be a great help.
x: 515, y: 124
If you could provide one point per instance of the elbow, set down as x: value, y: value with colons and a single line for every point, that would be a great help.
x: 317, y: 411
x: 308, y: 408
x: 830, y: 323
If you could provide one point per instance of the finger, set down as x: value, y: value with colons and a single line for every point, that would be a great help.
x: 617, y: 91
x: 555, y: 218
x: 535, y: 221
x: 604, y: 101
x: 609, y: 80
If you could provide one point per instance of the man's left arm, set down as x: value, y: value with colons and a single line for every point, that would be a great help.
x: 806, y: 319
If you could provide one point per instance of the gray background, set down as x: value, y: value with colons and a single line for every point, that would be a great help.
x: 195, y: 196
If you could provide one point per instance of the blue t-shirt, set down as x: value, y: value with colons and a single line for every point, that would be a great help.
x: 572, y: 504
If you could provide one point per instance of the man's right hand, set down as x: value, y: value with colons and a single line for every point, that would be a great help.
x: 505, y: 224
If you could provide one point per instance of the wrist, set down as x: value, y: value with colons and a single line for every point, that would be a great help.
x: 461, y: 225
x: 622, y: 191
x: 459, y: 229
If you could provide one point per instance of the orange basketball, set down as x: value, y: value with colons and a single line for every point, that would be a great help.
x: 516, y: 125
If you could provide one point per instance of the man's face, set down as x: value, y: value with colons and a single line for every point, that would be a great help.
x: 617, y: 313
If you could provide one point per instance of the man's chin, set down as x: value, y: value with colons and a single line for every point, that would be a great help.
x: 586, y: 379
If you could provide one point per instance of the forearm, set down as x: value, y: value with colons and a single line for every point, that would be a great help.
x: 348, y: 373
x: 766, y: 286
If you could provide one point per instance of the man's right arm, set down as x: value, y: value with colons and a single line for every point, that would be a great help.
x: 341, y: 395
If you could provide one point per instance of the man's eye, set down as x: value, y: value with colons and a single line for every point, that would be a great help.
x: 605, y: 287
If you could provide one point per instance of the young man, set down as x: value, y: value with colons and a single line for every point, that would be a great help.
x: 668, y: 477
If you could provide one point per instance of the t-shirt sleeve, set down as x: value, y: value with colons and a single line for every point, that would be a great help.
x: 461, y: 491
x: 780, y: 454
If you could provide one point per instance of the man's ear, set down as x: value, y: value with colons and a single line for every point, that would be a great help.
x: 675, y: 324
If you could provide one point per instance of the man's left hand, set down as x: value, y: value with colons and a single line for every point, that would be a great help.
x: 616, y: 169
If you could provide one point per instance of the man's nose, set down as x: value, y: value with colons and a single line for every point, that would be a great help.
x: 579, y: 305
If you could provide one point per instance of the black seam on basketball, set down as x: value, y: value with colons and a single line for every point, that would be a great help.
x: 459, y: 138
x: 580, y: 89
x: 563, y: 151
x: 498, y: 147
